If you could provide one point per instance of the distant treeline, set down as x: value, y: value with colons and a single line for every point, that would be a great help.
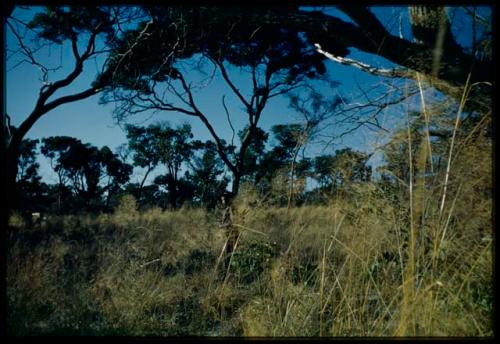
x: 92, y: 179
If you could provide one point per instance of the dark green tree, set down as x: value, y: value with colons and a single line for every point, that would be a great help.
x: 276, y: 60
x: 86, y: 30
x: 174, y: 149
x: 54, y: 148
x: 286, y: 138
x: 160, y: 144
x: 283, y: 157
x: 323, y: 167
x: 142, y: 144
x: 28, y: 166
x: 254, y: 152
x: 207, y: 175
x: 147, y: 196
x: 30, y: 190
x: 89, y: 172
x: 348, y: 166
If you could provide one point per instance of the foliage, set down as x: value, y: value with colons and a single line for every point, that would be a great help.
x: 295, y: 272
x: 88, y: 171
x: 205, y: 176
x: 60, y: 23
x: 31, y: 191
x: 249, y: 262
x: 406, y: 254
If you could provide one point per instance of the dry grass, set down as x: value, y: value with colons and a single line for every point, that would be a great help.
x: 375, y: 262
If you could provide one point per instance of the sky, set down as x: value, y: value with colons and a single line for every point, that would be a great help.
x: 91, y: 122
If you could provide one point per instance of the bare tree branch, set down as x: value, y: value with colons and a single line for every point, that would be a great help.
x: 229, y: 120
x: 230, y: 83
x: 390, y: 73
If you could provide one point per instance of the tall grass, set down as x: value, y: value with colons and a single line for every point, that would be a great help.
x: 414, y: 260
x: 336, y: 270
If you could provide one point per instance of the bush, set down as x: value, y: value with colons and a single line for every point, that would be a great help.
x: 250, y: 261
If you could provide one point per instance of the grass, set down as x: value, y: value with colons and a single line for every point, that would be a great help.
x: 336, y: 270
x: 409, y: 259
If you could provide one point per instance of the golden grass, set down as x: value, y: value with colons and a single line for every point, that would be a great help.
x: 372, y: 263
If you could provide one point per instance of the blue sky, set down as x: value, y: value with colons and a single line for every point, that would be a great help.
x: 91, y: 122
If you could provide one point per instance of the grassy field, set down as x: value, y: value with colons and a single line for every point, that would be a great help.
x: 360, y: 266
x: 335, y: 245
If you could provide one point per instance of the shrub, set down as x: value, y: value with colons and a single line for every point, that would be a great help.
x: 248, y: 262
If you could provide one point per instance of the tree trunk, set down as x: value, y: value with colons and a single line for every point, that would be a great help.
x: 172, y: 191
x: 141, y: 186
x: 227, y: 219
x: 59, y: 200
x: 10, y: 170
x: 292, y: 172
x: 59, y: 194
x: 173, y: 195
x: 235, y: 187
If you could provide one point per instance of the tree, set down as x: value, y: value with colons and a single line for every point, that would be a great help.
x: 28, y: 167
x: 31, y: 191
x: 160, y: 144
x: 205, y: 175
x: 282, y: 158
x: 146, y: 196
x: 54, y: 148
x: 117, y: 173
x: 254, y: 152
x: 433, y: 53
x: 141, y: 142
x: 174, y: 149
x: 90, y: 172
x: 350, y: 166
x: 276, y: 61
x: 335, y: 172
x: 82, y: 28
x: 323, y: 166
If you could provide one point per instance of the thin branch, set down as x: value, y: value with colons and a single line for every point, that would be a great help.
x: 28, y: 53
x: 187, y: 89
x: 284, y: 91
x: 229, y: 120
x: 71, y: 98
x: 77, y: 70
x: 390, y: 73
x: 74, y: 47
x: 129, y: 51
x: 229, y: 82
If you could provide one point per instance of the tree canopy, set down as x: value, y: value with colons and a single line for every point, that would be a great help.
x: 87, y: 170
x: 279, y: 48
